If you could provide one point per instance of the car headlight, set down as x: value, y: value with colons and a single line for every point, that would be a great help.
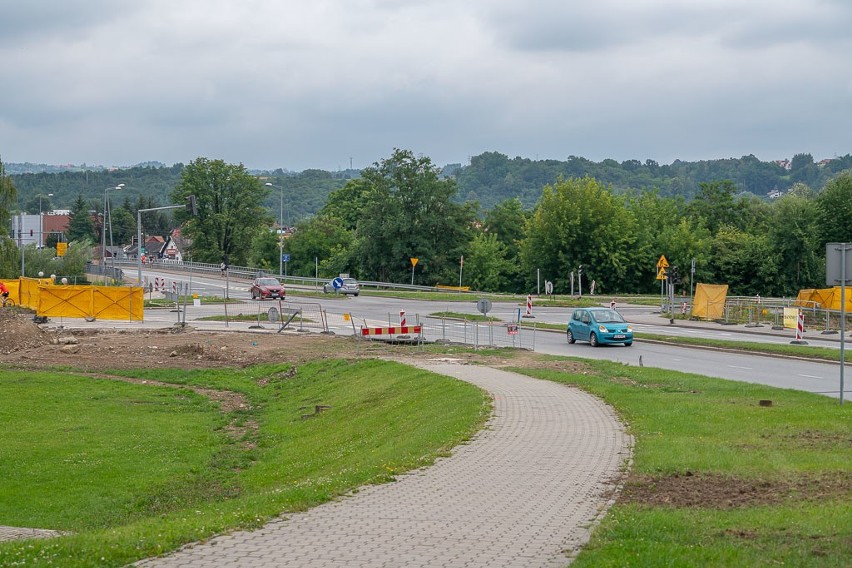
x: 630, y: 328
x: 602, y: 328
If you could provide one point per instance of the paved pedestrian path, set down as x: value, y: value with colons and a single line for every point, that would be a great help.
x: 523, y: 493
x: 15, y: 533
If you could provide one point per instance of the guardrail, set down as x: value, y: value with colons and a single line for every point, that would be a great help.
x: 250, y: 273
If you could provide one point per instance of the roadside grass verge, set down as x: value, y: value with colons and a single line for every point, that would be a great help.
x: 803, y: 351
x: 164, y: 303
x: 466, y: 317
x: 717, y: 479
x: 473, y: 297
x: 134, y: 470
x: 260, y: 318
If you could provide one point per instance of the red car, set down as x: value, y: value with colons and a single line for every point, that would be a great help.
x: 267, y: 288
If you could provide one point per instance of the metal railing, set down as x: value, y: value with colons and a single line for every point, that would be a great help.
x: 249, y: 273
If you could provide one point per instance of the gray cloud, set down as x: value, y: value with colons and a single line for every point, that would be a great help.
x: 302, y: 85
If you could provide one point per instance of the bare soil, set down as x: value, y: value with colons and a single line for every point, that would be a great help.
x: 25, y: 345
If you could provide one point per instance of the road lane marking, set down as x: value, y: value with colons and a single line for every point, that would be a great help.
x: 738, y: 367
x: 810, y: 376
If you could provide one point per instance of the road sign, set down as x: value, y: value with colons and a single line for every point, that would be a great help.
x: 414, y: 262
x: 662, y: 263
x: 661, y: 274
x: 548, y: 287
x: 484, y: 305
x: 512, y: 329
x: 285, y: 257
x: 337, y: 283
x: 272, y: 315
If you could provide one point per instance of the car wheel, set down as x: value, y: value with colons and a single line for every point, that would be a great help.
x: 628, y: 343
x: 356, y: 294
x: 571, y: 339
x: 593, y: 340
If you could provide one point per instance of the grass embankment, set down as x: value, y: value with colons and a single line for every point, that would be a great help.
x: 134, y: 470
x: 717, y: 479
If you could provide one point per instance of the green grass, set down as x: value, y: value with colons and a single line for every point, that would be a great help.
x: 164, y: 303
x: 134, y: 470
x: 263, y: 318
x: 687, y: 425
x: 467, y: 317
x: 804, y: 351
x: 788, y: 350
x: 473, y: 297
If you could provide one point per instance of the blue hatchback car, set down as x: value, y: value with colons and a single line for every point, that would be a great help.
x: 599, y: 326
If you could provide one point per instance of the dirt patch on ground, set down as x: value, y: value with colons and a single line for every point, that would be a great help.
x: 24, y: 344
x: 726, y: 492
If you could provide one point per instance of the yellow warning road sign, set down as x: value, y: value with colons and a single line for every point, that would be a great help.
x: 414, y: 262
x: 662, y: 263
x: 661, y: 274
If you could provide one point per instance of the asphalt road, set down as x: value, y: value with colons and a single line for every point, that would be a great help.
x: 816, y: 377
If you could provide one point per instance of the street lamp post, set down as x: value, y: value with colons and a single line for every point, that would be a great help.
x: 104, y: 224
x: 280, y: 229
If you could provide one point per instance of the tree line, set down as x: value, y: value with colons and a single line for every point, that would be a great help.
x: 401, y: 209
x: 404, y: 207
x: 489, y: 179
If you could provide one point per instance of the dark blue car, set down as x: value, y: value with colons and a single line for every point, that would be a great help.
x: 599, y: 326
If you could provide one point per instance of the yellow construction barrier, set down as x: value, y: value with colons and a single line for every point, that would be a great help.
x: 825, y: 298
x: 453, y: 288
x: 77, y: 301
x: 709, y: 302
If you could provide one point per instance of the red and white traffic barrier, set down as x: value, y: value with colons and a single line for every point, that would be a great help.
x: 401, y: 330
x: 800, y: 329
x: 402, y: 318
x: 529, y: 307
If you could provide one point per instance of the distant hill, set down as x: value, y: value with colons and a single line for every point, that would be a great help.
x: 304, y: 193
x: 490, y: 178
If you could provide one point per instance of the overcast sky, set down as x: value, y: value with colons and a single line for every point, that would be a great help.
x: 325, y: 83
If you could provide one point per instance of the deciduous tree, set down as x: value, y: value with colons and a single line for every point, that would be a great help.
x: 409, y: 212
x: 229, y: 202
x: 579, y: 222
x: 835, y: 209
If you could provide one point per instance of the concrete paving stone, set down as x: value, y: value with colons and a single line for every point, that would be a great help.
x: 524, y: 490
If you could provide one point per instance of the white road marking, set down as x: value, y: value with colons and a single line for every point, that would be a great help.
x: 738, y: 367
x: 810, y: 376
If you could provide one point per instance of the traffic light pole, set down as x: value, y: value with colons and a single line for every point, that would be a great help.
x: 139, y: 237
